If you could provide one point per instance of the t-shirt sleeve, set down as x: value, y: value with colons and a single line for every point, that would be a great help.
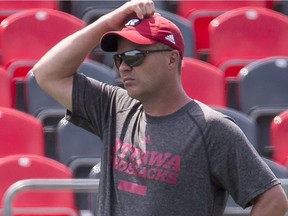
x: 89, y: 103
x: 235, y: 164
x: 95, y: 103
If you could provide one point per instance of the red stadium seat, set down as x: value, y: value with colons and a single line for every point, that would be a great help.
x: 279, y: 137
x: 201, y: 13
x: 245, y: 34
x: 20, y: 133
x: 19, y: 167
x: 28, y: 35
x: 203, y: 81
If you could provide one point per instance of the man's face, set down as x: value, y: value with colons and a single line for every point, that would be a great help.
x: 147, y: 79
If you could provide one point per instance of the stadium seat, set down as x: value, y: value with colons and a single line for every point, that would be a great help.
x: 5, y: 92
x: 263, y: 83
x: 16, y: 71
x: 31, y: 33
x: 27, y: 35
x: 38, y: 100
x: 14, y: 168
x: 237, y: 38
x: 80, y: 150
x: 74, y: 142
x: 20, y: 133
x: 81, y: 167
x: 203, y: 81
x: 48, y: 110
x: 201, y: 13
x: 262, y: 93
x: 279, y: 137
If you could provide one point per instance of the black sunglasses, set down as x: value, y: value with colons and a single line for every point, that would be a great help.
x: 134, y: 58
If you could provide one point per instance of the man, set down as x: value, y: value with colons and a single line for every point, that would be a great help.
x: 165, y: 154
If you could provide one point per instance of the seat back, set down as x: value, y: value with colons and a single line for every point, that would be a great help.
x: 279, y: 137
x: 38, y: 100
x: 20, y: 133
x: 19, y: 167
x: 31, y: 33
x: 263, y: 83
x: 237, y: 37
x: 73, y: 142
x: 203, y: 81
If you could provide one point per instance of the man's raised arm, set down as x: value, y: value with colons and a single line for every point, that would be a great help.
x: 54, y: 71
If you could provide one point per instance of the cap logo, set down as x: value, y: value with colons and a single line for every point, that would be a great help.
x: 132, y: 22
x: 170, y: 38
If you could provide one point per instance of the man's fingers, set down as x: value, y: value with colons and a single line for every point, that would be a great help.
x: 144, y: 8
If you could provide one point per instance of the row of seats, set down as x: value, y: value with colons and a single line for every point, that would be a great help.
x: 79, y: 150
x: 37, y: 28
x: 261, y: 90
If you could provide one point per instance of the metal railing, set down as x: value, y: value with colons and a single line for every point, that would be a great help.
x: 77, y: 185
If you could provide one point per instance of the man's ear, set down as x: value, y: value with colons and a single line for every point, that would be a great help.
x: 174, y: 58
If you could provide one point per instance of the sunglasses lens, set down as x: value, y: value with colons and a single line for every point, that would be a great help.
x: 134, y: 60
x: 131, y: 58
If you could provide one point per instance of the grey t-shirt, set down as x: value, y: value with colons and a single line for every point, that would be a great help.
x: 182, y: 164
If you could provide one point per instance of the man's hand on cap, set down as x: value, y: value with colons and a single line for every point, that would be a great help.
x: 131, y: 9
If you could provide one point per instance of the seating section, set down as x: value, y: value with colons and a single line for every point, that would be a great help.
x: 203, y: 81
x: 279, y: 137
x: 14, y: 168
x: 235, y: 60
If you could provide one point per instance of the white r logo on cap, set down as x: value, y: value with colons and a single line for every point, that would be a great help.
x: 132, y: 22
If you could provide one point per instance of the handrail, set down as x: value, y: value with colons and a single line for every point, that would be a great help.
x: 78, y: 185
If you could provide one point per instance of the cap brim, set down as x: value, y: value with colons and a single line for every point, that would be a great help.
x: 109, y: 40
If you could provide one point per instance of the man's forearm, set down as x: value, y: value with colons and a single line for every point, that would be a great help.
x: 271, y: 203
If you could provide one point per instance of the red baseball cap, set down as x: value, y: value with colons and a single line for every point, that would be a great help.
x: 146, y: 31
